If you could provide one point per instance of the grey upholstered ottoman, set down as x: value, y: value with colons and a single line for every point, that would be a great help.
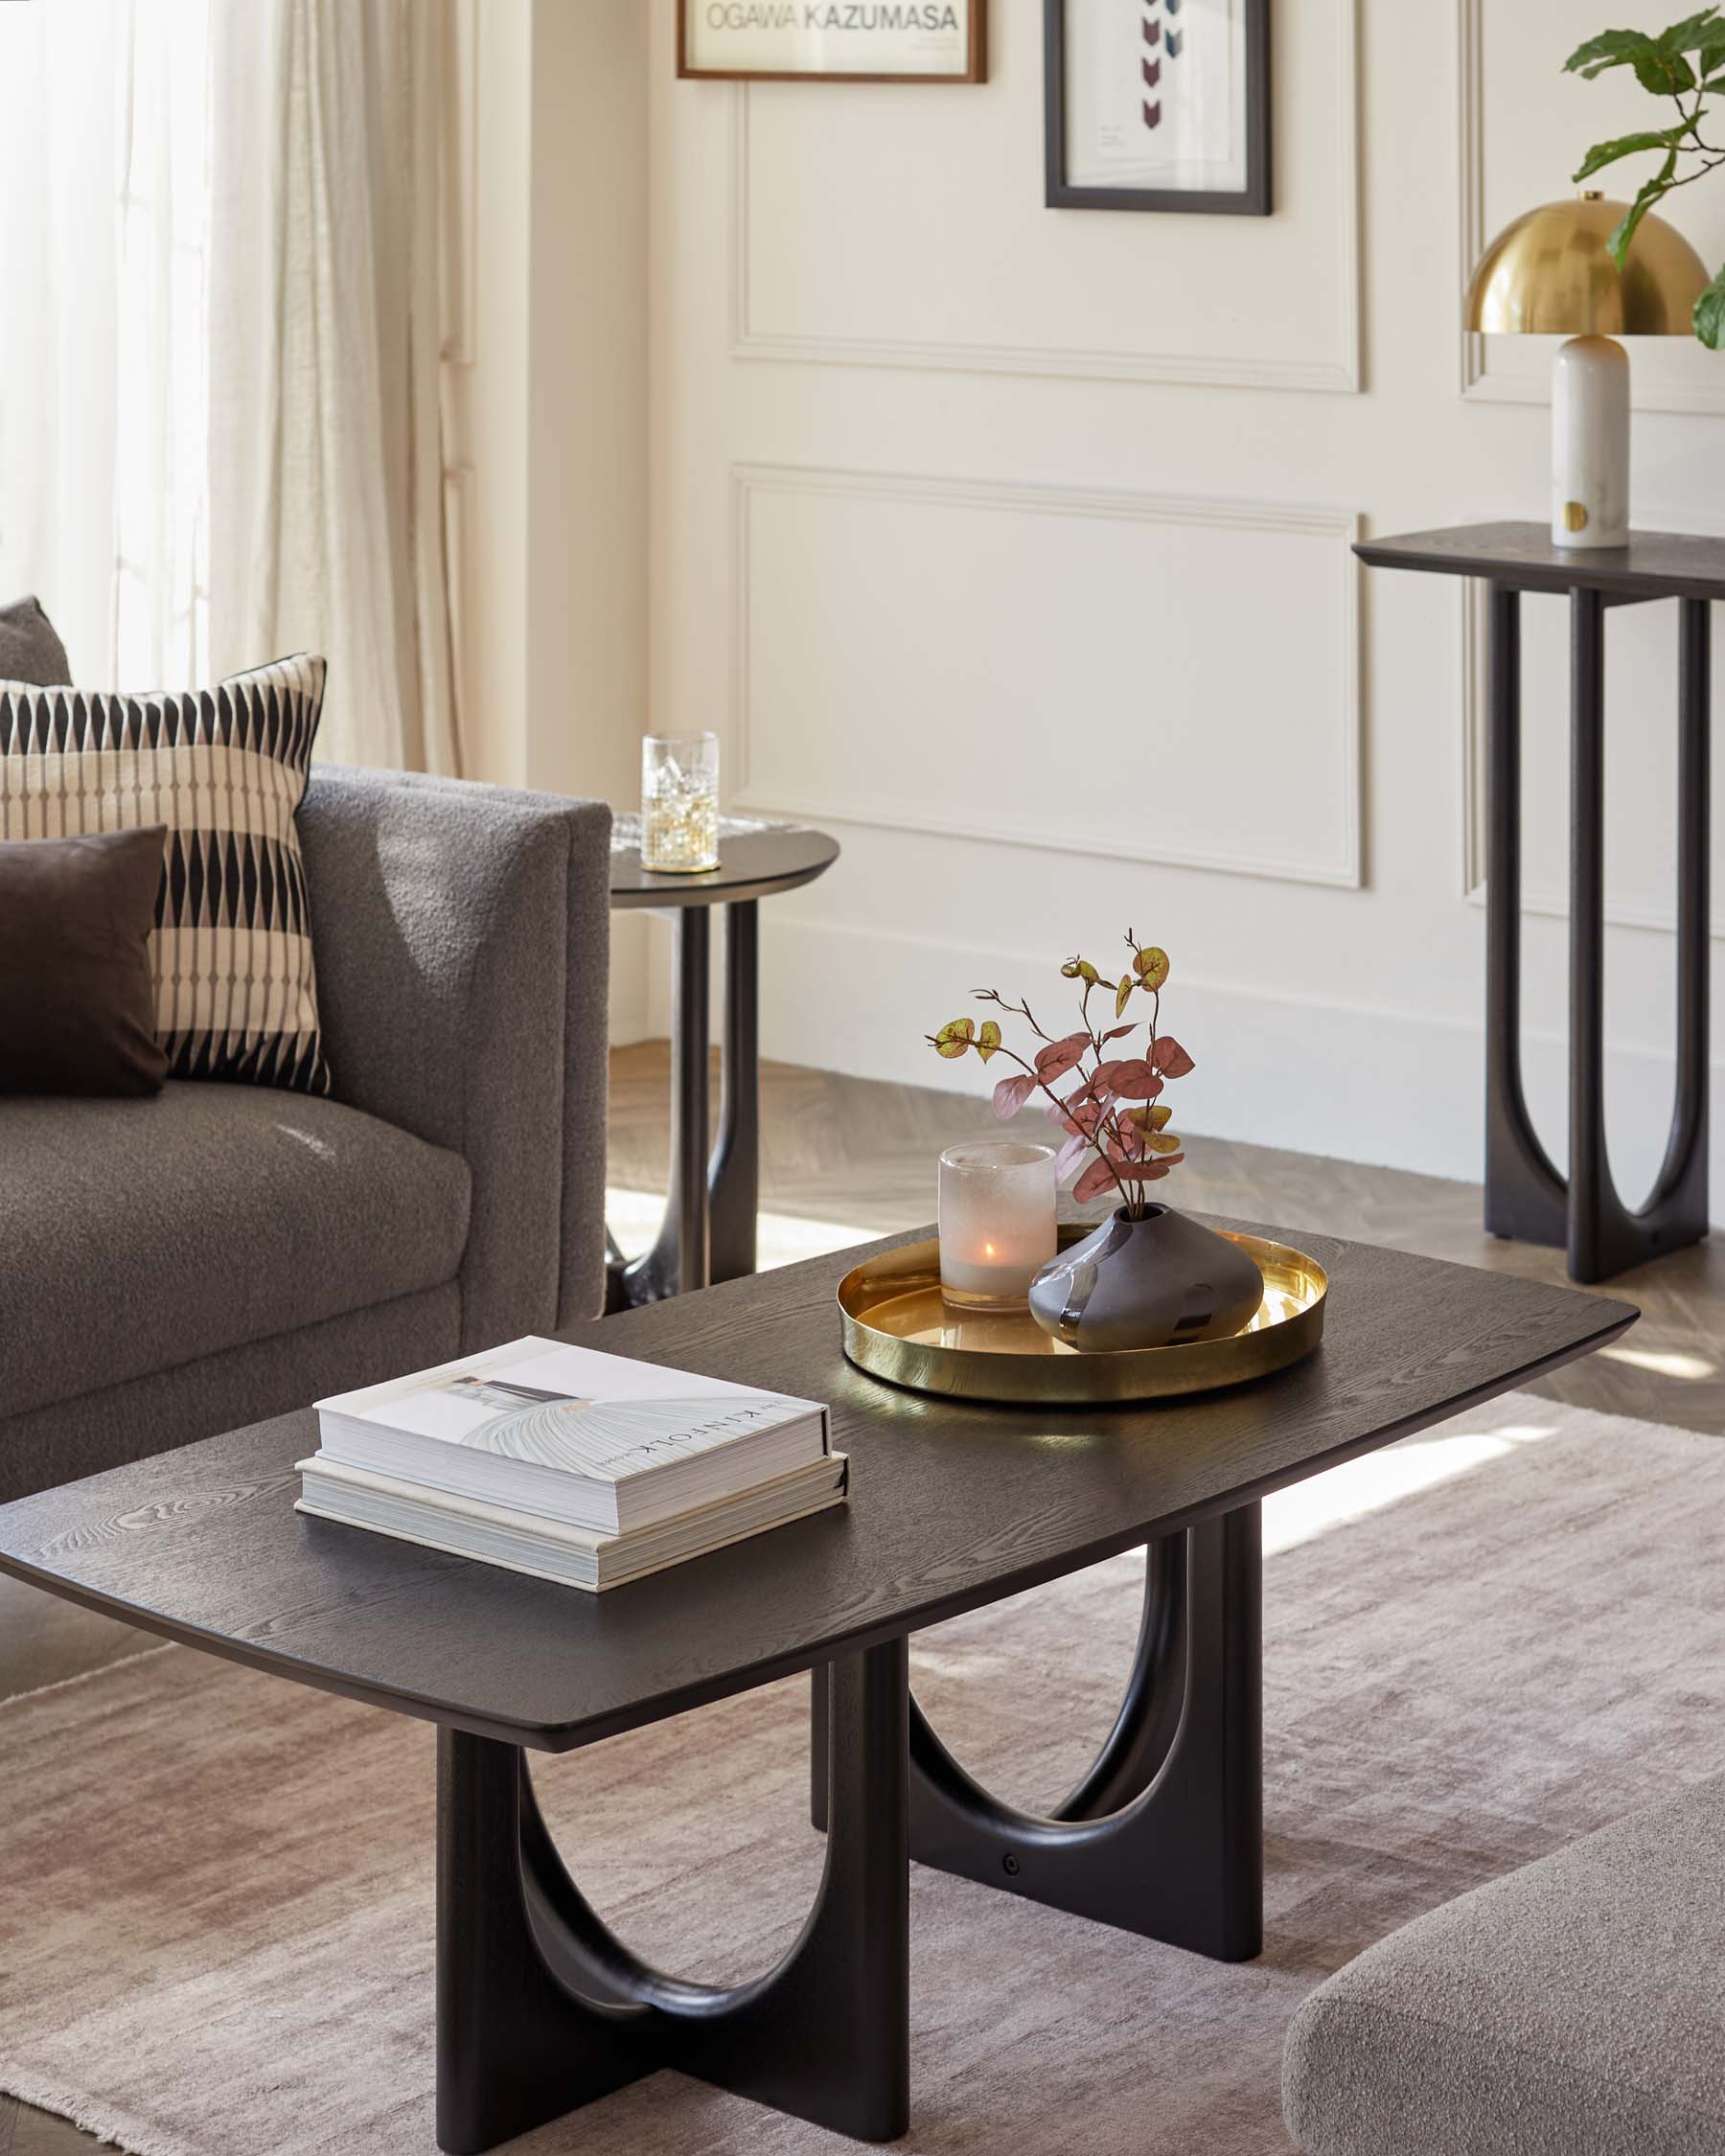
x: 1575, y: 2008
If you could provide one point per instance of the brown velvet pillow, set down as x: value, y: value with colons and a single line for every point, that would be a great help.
x: 77, y: 993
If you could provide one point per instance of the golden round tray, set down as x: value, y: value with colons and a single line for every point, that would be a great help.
x: 897, y: 1326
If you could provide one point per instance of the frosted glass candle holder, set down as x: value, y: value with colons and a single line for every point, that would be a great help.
x: 997, y: 1223
x: 679, y: 803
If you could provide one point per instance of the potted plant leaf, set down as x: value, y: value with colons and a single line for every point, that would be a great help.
x: 1684, y: 67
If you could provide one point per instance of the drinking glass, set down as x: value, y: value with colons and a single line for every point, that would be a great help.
x: 679, y: 803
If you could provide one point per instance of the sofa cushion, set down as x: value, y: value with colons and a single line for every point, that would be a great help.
x: 76, y: 995
x: 221, y: 770
x: 1575, y: 2008
x: 143, y: 1233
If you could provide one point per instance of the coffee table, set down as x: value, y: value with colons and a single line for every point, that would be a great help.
x: 539, y: 2009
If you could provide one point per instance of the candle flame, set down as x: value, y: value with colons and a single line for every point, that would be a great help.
x: 988, y: 1250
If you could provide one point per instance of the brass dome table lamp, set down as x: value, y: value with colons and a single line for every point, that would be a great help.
x: 1551, y: 274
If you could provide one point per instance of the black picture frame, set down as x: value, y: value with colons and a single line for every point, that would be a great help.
x: 1253, y: 200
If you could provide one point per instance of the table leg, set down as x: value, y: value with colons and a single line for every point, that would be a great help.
x: 1604, y: 1237
x: 678, y: 1260
x: 1525, y: 1195
x: 1165, y: 1835
x: 540, y: 2009
x: 734, y: 1185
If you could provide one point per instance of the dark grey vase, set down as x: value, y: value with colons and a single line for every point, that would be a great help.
x: 1144, y: 1283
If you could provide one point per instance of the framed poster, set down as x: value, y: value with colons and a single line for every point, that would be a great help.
x: 834, y: 40
x: 1158, y: 105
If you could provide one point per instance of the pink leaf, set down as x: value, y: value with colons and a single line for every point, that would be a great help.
x: 1146, y: 1171
x: 1096, y: 1179
x: 1170, y: 1058
x: 1011, y: 1094
x: 1115, y: 1032
x: 1135, y: 1080
x: 1059, y: 1056
x: 1069, y: 1155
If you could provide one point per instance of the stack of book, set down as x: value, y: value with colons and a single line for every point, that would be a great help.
x: 575, y: 1466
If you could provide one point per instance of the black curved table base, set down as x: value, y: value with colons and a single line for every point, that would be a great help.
x: 1165, y: 1835
x: 540, y: 2009
x: 708, y: 1231
x: 1525, y: 1196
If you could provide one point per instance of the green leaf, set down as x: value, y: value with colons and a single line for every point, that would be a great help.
x: 988, y: 1040
x: 1710, y: 314
x: 1603, y: 154
x: 1122, y: 992
x: 1611, y: 48
x: 1666, y: 75
x: 1652, y: 190
x: 1692, y: 32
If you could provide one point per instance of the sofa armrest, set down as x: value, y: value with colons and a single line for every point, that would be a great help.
x: 462, y: 938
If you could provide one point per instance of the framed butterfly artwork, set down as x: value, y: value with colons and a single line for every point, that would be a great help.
x: 1158, y: 105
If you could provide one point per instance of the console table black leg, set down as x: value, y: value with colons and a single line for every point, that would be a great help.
x: 1589, y: 1167
x: 1604, y: 1237
x: 678, y: 1259
x: 734, y: 1183
x: 1683, y: 1176
x: 1525, y: 1195
x: 1165, y: 1835
x: 540, y: 2009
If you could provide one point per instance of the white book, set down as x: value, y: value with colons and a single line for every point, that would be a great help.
x: 521, y: 1541
x: 594, y: 1441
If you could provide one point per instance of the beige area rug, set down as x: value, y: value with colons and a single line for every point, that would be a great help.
x: 215, y: 1889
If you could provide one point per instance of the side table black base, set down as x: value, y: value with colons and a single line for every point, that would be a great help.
x: 1165, y: 1835
x: 708, y: 1231
x: 540, y: 2009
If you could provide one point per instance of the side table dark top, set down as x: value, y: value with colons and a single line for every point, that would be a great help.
x: 755, y: 860
x: 1653, y: 566
x: 953, y: 1506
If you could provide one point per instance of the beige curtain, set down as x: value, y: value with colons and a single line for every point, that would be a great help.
x: 326, y: 459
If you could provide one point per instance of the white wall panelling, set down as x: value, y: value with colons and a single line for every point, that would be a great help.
x: 1093, y: 683
x: 1089, y: 656
x: 945, y: 257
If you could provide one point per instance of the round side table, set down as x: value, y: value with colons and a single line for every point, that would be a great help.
x: 709, y: 1225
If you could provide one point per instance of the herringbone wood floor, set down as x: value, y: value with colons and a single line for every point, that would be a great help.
x: 849, y: 1149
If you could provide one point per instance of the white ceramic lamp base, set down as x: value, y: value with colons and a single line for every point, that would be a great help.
x: 1590, y: 444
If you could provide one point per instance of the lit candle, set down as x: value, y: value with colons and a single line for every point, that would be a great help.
x: 997, y: 1221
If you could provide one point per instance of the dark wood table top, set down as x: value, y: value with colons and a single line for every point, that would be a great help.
x: 755, y: 860
x: 1653, y: 566
x: 953, y: 1505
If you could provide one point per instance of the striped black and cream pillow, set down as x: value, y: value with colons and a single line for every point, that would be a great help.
x: 224, y: 770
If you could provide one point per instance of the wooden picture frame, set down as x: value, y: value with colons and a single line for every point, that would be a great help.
x: 1160, y: 30
x: 972, y: 16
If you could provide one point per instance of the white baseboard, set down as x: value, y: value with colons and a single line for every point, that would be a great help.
x: 1391, y: 1088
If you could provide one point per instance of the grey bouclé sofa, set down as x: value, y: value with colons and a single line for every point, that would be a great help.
x: 1576, y: 2008
x: 176, y: 1266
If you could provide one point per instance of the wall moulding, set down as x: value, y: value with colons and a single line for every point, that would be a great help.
x: 1549, y: 901
x: 1058, y: 829
x: 1343, y: 375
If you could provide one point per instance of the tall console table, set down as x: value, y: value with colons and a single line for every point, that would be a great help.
x: 1525, y: 1195
x: 708, y: 1232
